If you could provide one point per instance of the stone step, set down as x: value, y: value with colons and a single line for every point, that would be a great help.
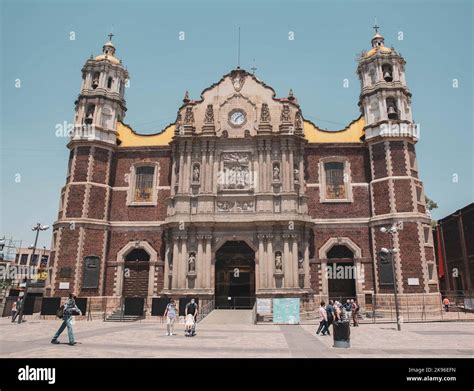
x: 229, y: 317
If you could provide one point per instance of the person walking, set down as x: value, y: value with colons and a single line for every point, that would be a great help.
x: 14, y: 311
x: 170, y: 314
x: 69, y: 309
x: 324, y: 318
x: 329, y: 316
x: 192, y: 309
x: 355, y: 312
x: 17, y: 305
x: 446, y: 304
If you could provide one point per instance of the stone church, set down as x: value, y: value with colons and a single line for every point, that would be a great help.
x: 242, y: 197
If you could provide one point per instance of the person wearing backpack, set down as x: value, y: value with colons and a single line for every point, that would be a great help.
x: 66, y: 312
x: 355, y: 312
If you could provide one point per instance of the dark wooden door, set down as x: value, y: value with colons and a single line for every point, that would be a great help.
x: 135, y: 280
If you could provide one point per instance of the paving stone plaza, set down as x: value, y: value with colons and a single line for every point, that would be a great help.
x: 231, y: 335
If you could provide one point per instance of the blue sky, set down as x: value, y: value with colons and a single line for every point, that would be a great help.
x: 36, y: 48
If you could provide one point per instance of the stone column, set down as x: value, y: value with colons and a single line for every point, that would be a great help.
x: 262, y: 261
x: 260, y: 170
x: 200, y: 263
x: 183, y: 267
x: 119, y: 279
x: 151, y: 278
x: 173, y: 175
x: 208, y: 264
x: 270, y: 263
x: 203, y: 172
x: 268, y: 168
x: 324, y: 277
x: 176, y: 257
x: 283, y: 169
x: 210, y: 174
x: 181, y: 170
x: 291, y: 176
x: 294, y: 260
x: 187, y: 172
x: 287, y: 269
x: 166, y: 268
x: 306, y: 264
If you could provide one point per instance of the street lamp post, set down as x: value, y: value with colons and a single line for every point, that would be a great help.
x: 38, y: 227
x: 391, y: 251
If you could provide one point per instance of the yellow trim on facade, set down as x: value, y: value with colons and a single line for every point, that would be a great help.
x: 129, y: 138
x: 351, y: 134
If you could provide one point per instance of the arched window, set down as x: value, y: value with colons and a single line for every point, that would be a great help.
x: 387, y: 72
x: 95, y: 80
x: 372, y: 76
x: 144, y: 178
x: 392, y: 111
x: 110, y: 81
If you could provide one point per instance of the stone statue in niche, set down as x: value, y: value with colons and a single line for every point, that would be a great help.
x: 300, y: 262
x: 278, y: 262
x: 209, y: 116
x: 296, y: 173
x: 191, y: 263
x: 196, y: 173
x: 265, y: 115
x: 276, y: 172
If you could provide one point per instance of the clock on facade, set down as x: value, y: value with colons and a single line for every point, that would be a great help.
x: 237, y: 117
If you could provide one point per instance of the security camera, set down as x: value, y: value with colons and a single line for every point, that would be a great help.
x: 385, y: 250
x: 383, y: 230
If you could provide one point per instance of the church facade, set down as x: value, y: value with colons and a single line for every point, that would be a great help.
x: 242, y: 197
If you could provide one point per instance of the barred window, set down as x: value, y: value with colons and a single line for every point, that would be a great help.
x: 335, y: 187
x: 144, y: 184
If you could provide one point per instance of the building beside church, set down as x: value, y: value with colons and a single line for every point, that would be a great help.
x: 241, y: 196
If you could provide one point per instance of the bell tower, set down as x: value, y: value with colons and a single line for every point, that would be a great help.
x: 397, y: 195
x: 101, y: 101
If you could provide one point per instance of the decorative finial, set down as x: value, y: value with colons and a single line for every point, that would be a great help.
x: 186, y: 97
x: 110, y: 36
x: 290, y: 95
x: 376, y: 28
x: 254, y: 68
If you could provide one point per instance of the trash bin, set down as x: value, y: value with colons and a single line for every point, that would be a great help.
x: 342, y: 334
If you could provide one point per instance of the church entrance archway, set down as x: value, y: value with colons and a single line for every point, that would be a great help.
x: 135, y: 276
x: 341, y: 273
x: 235, y: 276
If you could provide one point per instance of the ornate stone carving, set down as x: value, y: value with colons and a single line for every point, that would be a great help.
x: 236, y: 170
x: 300, y: 262
x: 265, y: 115
x: 238, y: 79
x: 285, y: 114
x: 235, y: 206
x: 189, y: 116
x: 225, y: 134
x: 298, y: 121
x: 209, y: 116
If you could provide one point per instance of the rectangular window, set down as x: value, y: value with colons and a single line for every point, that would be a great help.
x: 144, y: 184
x: 34, y: 260
x: 426, y: 231
x: 335, y: 186
x: 24, y: 259
x: 91, y: 272
x: 431, y: 271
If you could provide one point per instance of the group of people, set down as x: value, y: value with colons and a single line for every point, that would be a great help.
x: 69, y: 309
x: 335, y: 311
x: 190, y: 311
